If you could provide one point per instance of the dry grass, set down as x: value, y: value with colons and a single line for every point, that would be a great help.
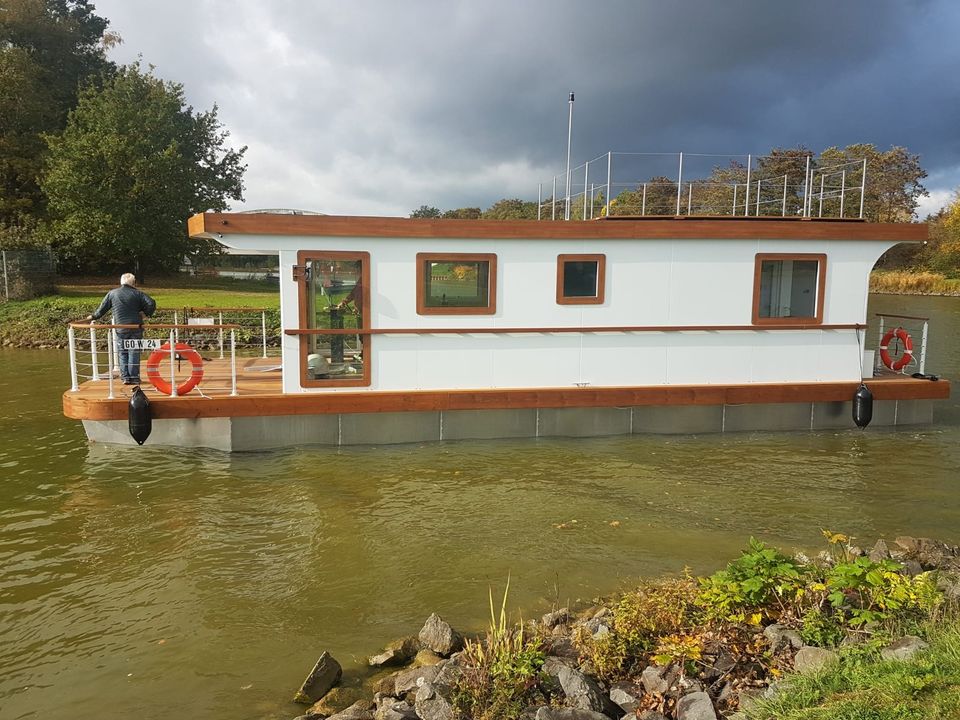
x: 902, y: 282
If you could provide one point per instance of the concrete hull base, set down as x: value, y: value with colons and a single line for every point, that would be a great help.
x: 264, y: 433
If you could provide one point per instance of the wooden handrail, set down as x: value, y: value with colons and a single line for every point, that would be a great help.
x: 903, y: 317
x: 159, y: 326
x: 550, y: 330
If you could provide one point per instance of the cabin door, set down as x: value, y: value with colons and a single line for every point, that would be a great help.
x: 336, y: 298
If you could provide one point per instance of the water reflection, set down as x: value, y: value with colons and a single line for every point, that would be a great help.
x: 163, y: 582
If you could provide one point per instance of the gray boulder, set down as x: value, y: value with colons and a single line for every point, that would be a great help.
x: 880, y: 552
x: 904, y: 648
x: 439, y: 636
x: 657, y: 679
x: 409, y: 680
x: 432, y: 705
x: 626, y: 696
x: 581, y: 691
x: 554, y: 713
x: 397, y: 710
x: 325, y: 674
x: 813, y: 659
x: 781, y: 637
x: 360, y: 710
x: 696, y: 706
x: 556, y: 618
x: 398, y: 652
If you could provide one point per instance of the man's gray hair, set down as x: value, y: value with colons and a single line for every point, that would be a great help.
x: 128, y: 279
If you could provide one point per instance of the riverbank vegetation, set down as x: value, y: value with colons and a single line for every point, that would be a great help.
x: 845, y: 634
x: 42, y: 321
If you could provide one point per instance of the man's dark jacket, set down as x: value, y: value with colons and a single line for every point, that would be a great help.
x: 126, y: 302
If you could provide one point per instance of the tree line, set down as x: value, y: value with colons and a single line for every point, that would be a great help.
x: 103, y: 163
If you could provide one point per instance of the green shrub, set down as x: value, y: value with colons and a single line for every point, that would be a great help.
x: 762, y: 582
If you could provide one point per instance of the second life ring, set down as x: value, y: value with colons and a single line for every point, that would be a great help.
x: 904, y: 359
x: 183, y: 351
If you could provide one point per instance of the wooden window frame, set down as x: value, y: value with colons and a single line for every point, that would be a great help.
x: 305, y: 256
x: 489, y: 309
x: 597, y: 299
x: 821, y: 259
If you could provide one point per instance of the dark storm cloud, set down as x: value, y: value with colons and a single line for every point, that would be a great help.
x: 380, y: 107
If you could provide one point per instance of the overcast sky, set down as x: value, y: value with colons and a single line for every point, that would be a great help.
x: 376, y: 108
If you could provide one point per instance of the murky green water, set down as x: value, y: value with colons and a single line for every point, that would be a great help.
x: 153, y: 583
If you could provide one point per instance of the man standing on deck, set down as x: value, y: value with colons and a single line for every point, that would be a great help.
x: 129, y: 306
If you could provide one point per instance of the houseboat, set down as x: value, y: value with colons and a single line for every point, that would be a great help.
x: 410, y: 330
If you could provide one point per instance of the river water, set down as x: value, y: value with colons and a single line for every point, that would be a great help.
x: 157, y: 583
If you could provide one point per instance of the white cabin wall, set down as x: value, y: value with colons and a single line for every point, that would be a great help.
x: 648, y: 282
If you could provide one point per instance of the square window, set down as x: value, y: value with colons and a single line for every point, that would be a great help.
x: 456, y: 284
x: 788, y: 289
x: 580, y: 279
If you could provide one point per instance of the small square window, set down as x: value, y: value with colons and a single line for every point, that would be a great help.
x: 580, y: 279
x: 788, y: 289
x: 456, y: 284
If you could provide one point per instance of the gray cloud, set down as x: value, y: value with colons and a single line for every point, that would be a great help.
x: 372, y: 108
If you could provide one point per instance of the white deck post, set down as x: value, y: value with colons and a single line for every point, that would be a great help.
x: 806, y: 190
x: 72, y: 343
x: 843, y: 189
x: 609, y: 176
x: 820, y: 211
x: 689, y: 198
x: 110, y: 352
x: 746, y: 190
x: 176, y: 321
x: 643, y: 205
x: 539, y: 200
x: 863, y: 186
x: 783, y: 212
x: 94, y: 364
x: 586, y: 179
x: 220, y: 332
x: 876, y: 358
x: 553, y: 200
x: 679, y: 182
x: 173, y: 365
x: 923, y: 346
x: 233, y: 362
x: 734, y: 210
x: 263, y: 328
x: 757, y: 212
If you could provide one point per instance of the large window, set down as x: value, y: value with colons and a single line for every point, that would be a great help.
x: 580, y: 279
x: 456, y: 284
x: 334, y: 295
x: 788, y: 289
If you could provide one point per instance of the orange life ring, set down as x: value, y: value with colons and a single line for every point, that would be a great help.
x: 907, y: 356
x: 184, y: 351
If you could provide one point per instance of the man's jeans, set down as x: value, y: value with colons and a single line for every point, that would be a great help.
x: 128, y: 360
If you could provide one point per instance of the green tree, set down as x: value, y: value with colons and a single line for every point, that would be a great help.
x: 942, y: 252
x: 464, y: 213
x: 48, y: 50
x: 133, y: 163
x: 893, y: 186
x: 426, y: 211
x: 511, y: 209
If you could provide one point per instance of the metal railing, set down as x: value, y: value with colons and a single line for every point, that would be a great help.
x: 258, y: 329
x: 702, y: 184
x: 94, y: 348
x: 913, y: 326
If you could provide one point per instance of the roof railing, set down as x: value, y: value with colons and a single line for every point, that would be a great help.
x: 694, y: 184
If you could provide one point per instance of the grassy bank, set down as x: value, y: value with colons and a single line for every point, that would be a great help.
x: 843, y: 635
x: 913, y: 282
x: 42, y: 321
x: 864, y: 685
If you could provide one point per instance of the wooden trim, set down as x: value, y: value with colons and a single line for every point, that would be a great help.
x: 821, y: 288
x: 423, y: 258
x: 584, y: 329
x: 212, y: 225
x: 305, y: 256
x: 601, y: 261
x: 81, y: 407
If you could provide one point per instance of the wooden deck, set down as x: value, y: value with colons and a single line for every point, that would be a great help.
x: 259, y: 393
